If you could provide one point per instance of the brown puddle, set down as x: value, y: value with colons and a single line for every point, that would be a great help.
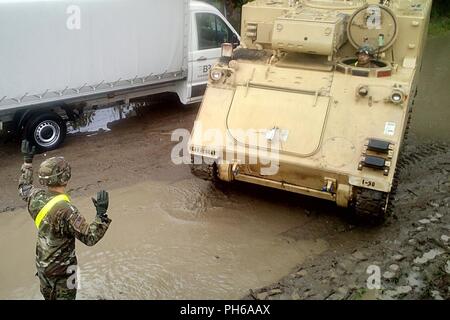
x: 94, y: 121
x: 180, y: 241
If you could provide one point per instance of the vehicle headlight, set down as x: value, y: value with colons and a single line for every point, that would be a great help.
x: 216, y: 74
x: 397, y: 96
x: 363, y: 91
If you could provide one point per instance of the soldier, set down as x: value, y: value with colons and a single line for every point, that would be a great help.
x: 58, y: 223
x: 365, y: 57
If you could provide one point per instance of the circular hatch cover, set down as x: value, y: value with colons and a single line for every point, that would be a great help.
x: 373, y: 25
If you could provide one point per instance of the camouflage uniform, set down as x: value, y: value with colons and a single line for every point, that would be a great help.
x: 55, y: 247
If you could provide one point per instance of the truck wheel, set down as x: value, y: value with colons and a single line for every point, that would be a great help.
x: 46, y: 131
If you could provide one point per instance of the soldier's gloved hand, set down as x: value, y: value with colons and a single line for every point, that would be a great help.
x: 28, y: 151
x: 101, y: 204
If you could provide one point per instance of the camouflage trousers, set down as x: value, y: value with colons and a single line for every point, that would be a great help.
x: 55, y: 288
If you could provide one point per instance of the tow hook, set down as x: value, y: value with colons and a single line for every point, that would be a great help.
x: 329, y: 186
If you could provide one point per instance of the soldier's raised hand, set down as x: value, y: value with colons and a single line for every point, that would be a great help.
x: 28, y: 151
x: 101, y: 204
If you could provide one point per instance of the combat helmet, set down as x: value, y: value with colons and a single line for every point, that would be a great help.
x: 366, y: 49
x: 55, y: 171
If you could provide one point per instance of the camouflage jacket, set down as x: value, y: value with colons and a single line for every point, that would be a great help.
x: 55, y: 247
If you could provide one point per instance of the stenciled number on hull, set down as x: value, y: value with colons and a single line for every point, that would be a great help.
x: 368, y: 183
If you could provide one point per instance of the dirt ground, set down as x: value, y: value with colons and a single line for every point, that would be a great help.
x: 411, y: 251
x: 176, y: 236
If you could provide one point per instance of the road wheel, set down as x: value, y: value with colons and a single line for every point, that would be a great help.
x: 370, y: 206
x: 46, y: 131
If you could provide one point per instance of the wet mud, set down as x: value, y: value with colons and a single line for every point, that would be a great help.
x: 432, y: 113
x: 406, y: 258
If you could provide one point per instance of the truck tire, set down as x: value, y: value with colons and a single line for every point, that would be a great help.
x: 46, y: 131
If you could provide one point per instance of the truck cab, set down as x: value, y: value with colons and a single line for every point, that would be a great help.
x: 209, y: 29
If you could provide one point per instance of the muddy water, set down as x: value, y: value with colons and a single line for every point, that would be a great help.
x: 98, y: 120
x: 432, y: 112
x: 181, y: 240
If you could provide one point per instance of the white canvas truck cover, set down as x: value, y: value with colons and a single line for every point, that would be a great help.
x: 51, y: 48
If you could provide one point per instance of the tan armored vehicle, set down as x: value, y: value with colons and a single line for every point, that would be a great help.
x: 316, y: 100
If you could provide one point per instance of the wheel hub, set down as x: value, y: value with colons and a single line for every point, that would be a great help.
x: 47, y: 133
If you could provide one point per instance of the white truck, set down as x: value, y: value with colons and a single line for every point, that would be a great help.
x: 60, y: 57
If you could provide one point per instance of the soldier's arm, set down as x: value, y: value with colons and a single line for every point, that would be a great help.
x: 26, y: 188
x: 88, y: 233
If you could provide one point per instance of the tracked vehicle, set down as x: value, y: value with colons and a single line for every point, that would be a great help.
x: 293, y: 108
